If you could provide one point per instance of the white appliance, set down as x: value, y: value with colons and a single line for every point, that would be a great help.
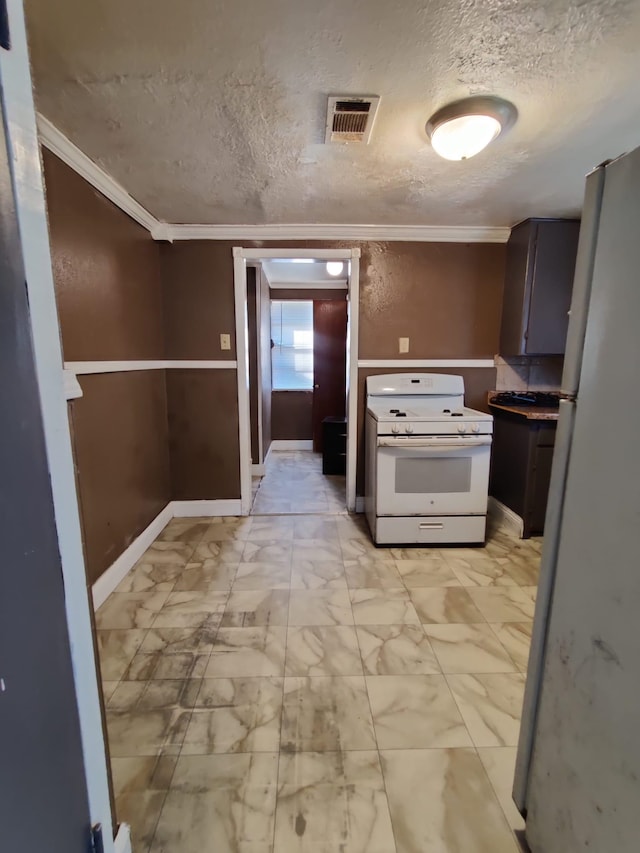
x: 427, y: 460
x: 578, y: 769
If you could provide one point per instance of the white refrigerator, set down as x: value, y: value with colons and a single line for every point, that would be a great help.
x: 577, y: 779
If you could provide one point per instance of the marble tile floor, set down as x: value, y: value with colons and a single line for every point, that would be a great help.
x: 277, y: 684
x: 294, y: 483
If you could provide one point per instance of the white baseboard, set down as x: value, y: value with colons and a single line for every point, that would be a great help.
x: 189, y: 509
x: 258, y: 470
x: 284, y: 444
x: 359, y: 503
x: 119, y: 569
x: 506, y: 517
x: 122, y: 841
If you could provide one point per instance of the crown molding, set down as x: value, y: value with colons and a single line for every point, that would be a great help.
x: 409, y: 233
x: 62, y: 147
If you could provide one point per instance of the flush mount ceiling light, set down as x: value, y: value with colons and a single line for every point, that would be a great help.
x: 334, y: 267
x: 462, y: 129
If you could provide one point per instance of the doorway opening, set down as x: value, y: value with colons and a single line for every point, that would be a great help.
x: 294, y: 484
x: 296, y: 329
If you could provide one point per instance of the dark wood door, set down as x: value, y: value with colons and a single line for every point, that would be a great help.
x: 329, y: 363
x: 43, y: 796
x: 254, y: 364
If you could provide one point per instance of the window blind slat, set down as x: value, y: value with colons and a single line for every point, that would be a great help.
x: 292, y: 353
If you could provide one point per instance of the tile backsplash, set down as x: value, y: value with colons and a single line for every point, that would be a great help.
x: 523, y: 373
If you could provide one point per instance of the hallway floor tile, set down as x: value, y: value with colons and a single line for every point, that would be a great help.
x: 276, y: 683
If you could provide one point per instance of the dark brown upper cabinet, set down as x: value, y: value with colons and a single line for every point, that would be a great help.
x: 541, y: 258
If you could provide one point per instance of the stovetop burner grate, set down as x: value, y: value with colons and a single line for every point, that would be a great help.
x: 539, y: 399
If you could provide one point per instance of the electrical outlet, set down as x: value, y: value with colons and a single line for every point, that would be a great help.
x: 225, y: 341
x: 403, y: 344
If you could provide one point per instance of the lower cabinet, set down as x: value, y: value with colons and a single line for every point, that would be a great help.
x: 522, y: 455
x: 334, y: 446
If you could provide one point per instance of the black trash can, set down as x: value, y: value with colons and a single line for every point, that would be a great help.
x: 334, y: 446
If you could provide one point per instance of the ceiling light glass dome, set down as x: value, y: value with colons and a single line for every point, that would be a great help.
x: 464, y: 128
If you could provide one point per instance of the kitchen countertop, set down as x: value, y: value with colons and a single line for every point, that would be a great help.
x: 530, y: 413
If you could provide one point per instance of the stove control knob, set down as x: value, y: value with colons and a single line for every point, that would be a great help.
x: 475, y: 428
x: 395, y: 429
x: 462, y: 429
x: 408, y: 429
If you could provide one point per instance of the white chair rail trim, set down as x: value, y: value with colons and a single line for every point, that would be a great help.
x: 400, y: 363
x: 82, y: 368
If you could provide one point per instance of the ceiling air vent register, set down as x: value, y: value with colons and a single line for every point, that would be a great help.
x: 351, y: 119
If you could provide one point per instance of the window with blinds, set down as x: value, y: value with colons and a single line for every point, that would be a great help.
x: 292, y: 351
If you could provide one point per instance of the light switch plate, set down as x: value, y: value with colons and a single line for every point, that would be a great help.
x: 225, y: 341
x: 403, y: 344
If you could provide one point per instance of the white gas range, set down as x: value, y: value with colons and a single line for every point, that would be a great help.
x: 427, y: 461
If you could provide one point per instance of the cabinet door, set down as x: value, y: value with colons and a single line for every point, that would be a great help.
x: 510, y: 461
x: 517, y: 272
x: 541, y: 477
x: 554, y: 263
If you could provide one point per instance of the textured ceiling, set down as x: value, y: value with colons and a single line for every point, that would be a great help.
x: 286, y: 274
x: 209, y: 111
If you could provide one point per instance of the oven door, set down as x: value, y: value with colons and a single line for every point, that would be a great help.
x: 433, y: 475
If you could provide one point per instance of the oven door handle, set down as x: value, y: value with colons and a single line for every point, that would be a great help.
x: 435, y: 444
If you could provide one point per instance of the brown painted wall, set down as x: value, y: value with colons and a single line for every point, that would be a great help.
x: 446, y: 297
x: 197, y: 289
x: 291, y: 415
x: 120, y: 444
x: 107, y: 278
x: 203, y: 434
x: 106, y: 269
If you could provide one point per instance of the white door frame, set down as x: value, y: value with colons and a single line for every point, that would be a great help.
x: 240, y: 258
x: 258, y: 467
